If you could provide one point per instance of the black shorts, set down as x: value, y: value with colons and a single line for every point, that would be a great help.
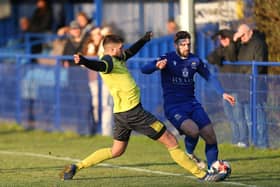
x: 139, y: 120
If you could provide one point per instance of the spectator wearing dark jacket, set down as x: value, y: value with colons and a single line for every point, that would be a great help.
x: 227, y: 50
x: 74, y: 43
x: 40, y: 22
x: 253, y: 47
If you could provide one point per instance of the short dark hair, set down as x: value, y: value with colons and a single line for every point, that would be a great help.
x: 112, y: 38
x: 181, y: 35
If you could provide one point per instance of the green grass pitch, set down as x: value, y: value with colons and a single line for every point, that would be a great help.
x: 35, y: 159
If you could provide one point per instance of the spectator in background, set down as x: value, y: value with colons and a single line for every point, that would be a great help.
x: 227, y: 51
x: 91, y: 48
x: 40, y: 22
x: 171, y: 26
x: 85, y: 25
x: 253, y: 47
x: 107, y: 101
x: 73, y: 43
x: 77, y: 79
x: 58, y: 45
x: 24, y: 25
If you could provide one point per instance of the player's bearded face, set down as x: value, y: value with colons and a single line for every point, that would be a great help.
x: 183, y: 47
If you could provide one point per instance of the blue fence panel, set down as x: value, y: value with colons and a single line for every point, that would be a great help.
x: 8, y: 91
x: 60, y: 98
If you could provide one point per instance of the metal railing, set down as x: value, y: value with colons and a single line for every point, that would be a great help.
x: 150, y: 85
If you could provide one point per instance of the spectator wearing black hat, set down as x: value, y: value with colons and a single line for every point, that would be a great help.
x: 244, y: 45
x: 228, y: 51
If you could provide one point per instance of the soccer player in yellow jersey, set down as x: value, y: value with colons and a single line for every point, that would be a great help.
x: 128, y: 112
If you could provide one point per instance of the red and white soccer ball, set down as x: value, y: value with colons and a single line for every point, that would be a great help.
x: 222, y: 167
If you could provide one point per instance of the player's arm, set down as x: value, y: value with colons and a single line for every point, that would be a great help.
x: 151, y: 67
x: 214, y: 81
x: 104, y: 65
x: 132, y: 50
x: 203, y: 70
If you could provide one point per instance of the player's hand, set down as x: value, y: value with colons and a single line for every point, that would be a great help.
x: 229, y: 98
x: 76, y: 58
x: 161, y: 63
x: 148, y: 36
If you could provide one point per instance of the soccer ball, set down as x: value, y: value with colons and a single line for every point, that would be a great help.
x: 222, y: 167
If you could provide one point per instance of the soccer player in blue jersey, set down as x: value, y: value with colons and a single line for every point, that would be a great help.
x: 180, y: 105
x: 128, y: 112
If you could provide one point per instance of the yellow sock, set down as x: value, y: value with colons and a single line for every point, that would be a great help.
x: 95, y: 158
x: 183, y: 160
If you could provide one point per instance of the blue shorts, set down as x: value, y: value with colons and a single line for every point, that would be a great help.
x: 191, y: 110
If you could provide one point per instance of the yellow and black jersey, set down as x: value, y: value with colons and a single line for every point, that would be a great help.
x: 125, y: 92
x: 114, y: 73
x: 113, y: 70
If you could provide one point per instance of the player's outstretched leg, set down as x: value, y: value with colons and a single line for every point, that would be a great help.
x: 184, y: 161
x: 93, y: 159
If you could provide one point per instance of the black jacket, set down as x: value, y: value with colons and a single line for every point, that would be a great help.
x: 221, y: 54
x: 255, y: 49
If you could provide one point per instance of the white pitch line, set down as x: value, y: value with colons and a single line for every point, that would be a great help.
x: 112, y: 166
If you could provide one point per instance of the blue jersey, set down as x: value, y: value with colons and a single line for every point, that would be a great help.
x: 177, y: 78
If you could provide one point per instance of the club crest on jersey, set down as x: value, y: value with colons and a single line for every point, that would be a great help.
x: 174, y: 63
x: 193, y: 65
x: 185, y: 72
x: 177, y: 117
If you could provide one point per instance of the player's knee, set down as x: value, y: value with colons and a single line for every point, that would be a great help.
x: 168, y: 139
x: 172, y: 140
x: 117, y: 153
x: 190, y: 128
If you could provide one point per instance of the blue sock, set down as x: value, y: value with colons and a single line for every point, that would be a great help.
x: 190, y: 144
x: 211, y: 151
